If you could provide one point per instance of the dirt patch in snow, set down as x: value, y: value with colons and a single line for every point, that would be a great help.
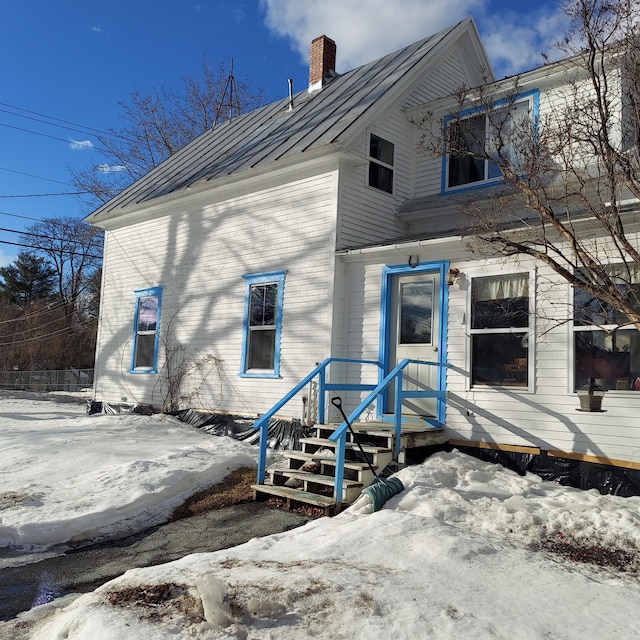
x: 623, y: 560
x: 234, y: 489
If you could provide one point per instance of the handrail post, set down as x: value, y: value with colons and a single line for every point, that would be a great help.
x: 397, y: 411
x: 322, y: 381
x: 339, y: 473
x: 262, y: 452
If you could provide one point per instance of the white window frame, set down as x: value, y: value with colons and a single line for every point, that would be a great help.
x: 530, y: 331
x: 530, y: 97
x: 605, y: 327
x: 377, y: 162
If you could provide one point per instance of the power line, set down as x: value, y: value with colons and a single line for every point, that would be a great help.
x: 85, y: 131
x: 32, y: 246
x: 39, y: 133
x: 47, y: 195
x: 49, y: 309
x: 38, y: 328
x: 31, y: 175
x: 16, y: 215
x: 94, y: 131
x: 58, y: 332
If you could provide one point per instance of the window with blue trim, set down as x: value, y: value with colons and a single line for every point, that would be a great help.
x: 262, y: 324
x: 146, y: 330
x: 479, y: 140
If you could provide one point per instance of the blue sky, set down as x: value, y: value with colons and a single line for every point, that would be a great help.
x: 66, y: 65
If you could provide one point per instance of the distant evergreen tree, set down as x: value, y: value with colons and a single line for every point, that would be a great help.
x: 28, y: 279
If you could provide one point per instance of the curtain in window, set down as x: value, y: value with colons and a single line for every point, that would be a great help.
x: 503, y: 287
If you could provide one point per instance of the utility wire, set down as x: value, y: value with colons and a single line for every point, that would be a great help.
x: 30, y: 175
x: 17, y: 215
x: 41, y: 326
x: 84, y: 131
x: 53, y: 307
x: 58, y: 332
x: 44, y: 135
x: 47, y: 195
x: 32, y: 246
x: 97, y: 132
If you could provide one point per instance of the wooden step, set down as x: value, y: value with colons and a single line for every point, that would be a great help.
x: 312, y: 477
x: 316, y: 483
x: 322, y: 442
x: 353, y: 469
x: 294, y: 497
x: 377, y: 456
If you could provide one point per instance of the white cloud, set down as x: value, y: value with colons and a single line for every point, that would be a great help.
x: 96, y: 28
x: 111, y: 168
x: 516, y: 42
x: 80, y: 145
x: 364, y: 31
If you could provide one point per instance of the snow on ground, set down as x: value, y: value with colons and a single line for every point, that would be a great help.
x: 67, y: 477
x: 456, y: 555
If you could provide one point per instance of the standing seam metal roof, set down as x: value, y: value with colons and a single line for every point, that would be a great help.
x: 273, y: 132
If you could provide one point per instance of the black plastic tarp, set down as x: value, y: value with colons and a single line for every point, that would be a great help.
x: 607, y: 479
x: 283, y: 434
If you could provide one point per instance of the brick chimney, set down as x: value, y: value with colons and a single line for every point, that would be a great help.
x: 322, y: 62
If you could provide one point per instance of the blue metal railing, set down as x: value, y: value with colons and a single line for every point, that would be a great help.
x: 320, y: 371
x: 340, y: 434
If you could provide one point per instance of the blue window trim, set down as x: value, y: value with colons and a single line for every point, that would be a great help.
x: 276, y: 277
x: 534, y: 94
x: 143, y: 293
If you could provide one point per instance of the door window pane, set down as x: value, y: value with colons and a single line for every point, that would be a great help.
x: 416, y: 310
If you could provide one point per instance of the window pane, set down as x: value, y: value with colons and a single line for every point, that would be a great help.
x: 500, y: 301
x: 507, y: 125
x: 145, y: 348
x: 612, y: 358
x: 416, y: 307
x: 590, y: 310
x: 147, y: 313
x: 466, y: 143
x: 500, y: 359
x: 380, y: 177
x: 381, y: 150
x: 262, y: 349
x: 263, y: 305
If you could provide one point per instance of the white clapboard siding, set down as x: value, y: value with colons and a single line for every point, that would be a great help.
x: 545, y: 416
x: 199, y: 256
x: 444, y: 78
x: 367, y: 215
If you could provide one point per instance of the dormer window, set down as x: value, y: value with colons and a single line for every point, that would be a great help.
x: 380, y: 163
x: 475, y: 136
